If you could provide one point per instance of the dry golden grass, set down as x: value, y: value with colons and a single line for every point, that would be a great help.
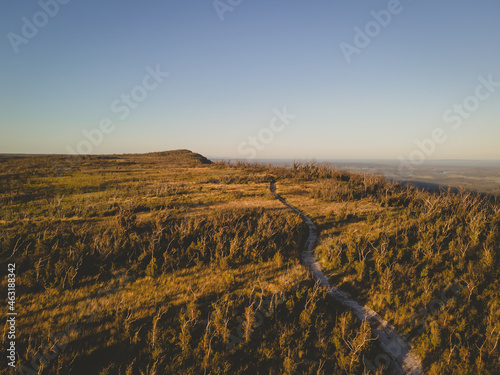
x: 392, y: 248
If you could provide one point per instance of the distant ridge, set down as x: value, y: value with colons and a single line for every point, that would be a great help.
x: 62, y: 164
x: 181, y: 157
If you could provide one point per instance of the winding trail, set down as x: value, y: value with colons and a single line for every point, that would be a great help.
x: 403, y: 360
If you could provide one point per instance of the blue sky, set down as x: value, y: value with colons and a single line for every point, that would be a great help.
x: 227, y: 78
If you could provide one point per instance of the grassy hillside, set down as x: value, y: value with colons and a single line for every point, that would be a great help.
x: 166, y: 263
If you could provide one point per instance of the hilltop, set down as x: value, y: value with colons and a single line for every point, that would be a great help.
x: 181, y: 157
x: 139, y: 263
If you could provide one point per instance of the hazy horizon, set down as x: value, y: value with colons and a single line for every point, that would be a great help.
x: 444, y: 162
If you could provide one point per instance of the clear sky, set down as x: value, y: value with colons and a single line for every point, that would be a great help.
x: 231, y: 68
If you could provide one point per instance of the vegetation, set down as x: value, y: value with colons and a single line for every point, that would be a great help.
x: 166, y: 263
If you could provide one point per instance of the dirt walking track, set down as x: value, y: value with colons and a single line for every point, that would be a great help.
x: 404, y: 361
